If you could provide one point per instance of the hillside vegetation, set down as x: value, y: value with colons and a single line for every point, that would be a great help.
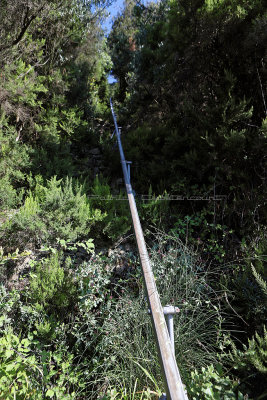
x: 190, y: 94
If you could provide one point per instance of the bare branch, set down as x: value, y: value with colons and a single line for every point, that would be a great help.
x: 33, y: 66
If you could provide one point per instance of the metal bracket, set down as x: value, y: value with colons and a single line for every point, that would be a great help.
x: 128, y: 165
x: 169, y: 311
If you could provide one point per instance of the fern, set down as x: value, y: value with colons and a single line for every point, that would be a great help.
x: 257, y: 352
x: 260, y: 281
x: 254, y: 354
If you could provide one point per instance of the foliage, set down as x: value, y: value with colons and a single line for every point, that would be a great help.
x: 197, y: 120
x: 191, y: 98
x: 93, y: 283
x: 116, y: 221
x: 156, y: 209
x: 87, y: 245
x: 249, y: 363
x: 8, y: 195
x: 14, y: 163
x: 14, y: 256
x: 246, y: 284
x: 57, y: 209
x: 25, y: 375
x: 51, y: 286
x: 24, y: 227
x: 124, y: 394
x: 211, y: 383
x: 127, y: 347
x: 48, y: 53
x: 66, y: 208
x: 254, y: 354
x: 261, y: 282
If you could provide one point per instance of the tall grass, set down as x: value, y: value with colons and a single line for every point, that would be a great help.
x: 127, y: 347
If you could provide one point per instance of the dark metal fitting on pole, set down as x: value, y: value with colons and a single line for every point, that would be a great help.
x: 128, y: 164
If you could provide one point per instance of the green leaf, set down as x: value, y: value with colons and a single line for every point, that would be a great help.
x: 9, y: 353
x: 50, y: 393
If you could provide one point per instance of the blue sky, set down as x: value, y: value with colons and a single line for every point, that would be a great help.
x: 113, y: 10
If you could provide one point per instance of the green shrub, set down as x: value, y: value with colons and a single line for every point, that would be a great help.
x: 8, y: 195
x: 253, y: 355
x: 57, y: 210
x: 14, y: 162
x: 66, y: 210
x: 51, y: 285
x: 117, y: 215
x: 8, y: 303
x: 27, y: 373
x: 25, y: 227
x: 155, y: 210
x: 19, y: 370
x: 247, y: 285
x: 210, y: 238
x: 93, y: 279
x: 212, y: 384
x: 94, y: 290
x: 46, y: 299
x: 261, y: 282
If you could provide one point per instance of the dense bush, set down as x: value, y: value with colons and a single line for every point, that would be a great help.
x: 212, y: 384
x: 55, y: 210
x: 32, y: 374
x: 117, y: 220
x: 14, y: 164
x: 51, y: 285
